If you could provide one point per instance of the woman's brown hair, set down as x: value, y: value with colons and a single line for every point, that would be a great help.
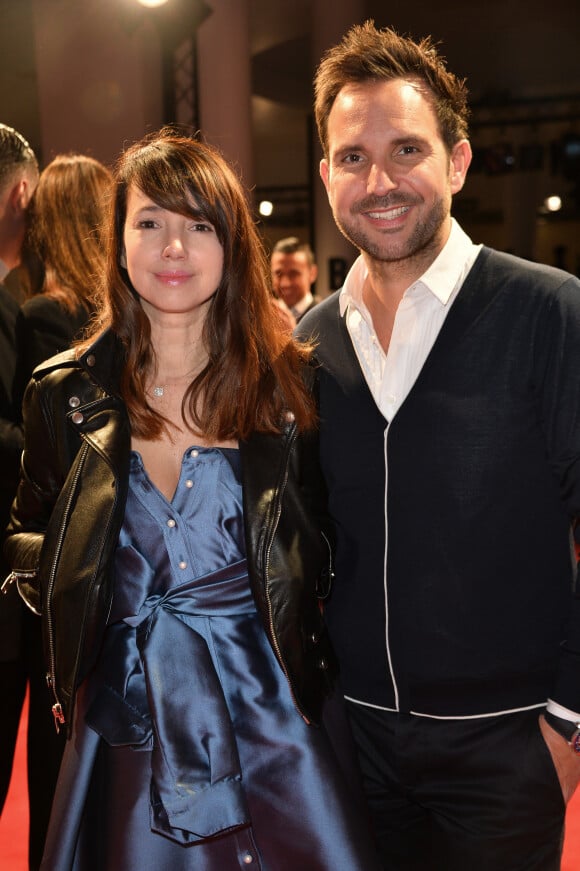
x: 65, y: 230
x: 254, y: 372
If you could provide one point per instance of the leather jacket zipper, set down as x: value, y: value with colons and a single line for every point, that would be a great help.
x: 57, y: 711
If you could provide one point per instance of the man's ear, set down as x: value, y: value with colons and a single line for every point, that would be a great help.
x: 324, y: 172
x: 460, y: 160
x: 313, y: 273
x: 19, y: 196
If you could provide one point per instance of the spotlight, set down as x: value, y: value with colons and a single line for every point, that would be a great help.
x: 266, y: 208
x: 152, y: 3
x: 553, y: 203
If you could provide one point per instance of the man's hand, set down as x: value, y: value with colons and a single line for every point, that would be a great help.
x: 566, y: 762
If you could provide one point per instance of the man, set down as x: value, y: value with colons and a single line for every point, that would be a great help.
x: 18, y: 179
x: 450, y: 443
x: 293, y: 274
x: 21, y: 659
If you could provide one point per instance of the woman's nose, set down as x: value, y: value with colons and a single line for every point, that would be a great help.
x: 173, y: 248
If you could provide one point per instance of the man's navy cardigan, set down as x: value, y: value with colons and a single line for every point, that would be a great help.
x: 468, y: 608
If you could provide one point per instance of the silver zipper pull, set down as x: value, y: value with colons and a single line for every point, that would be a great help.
x: 6, y: 582
x: 16, y: 576
x: 58, y: 716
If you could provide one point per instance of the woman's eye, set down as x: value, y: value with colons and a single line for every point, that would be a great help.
x: 200, y: 228
x: 146, y: 225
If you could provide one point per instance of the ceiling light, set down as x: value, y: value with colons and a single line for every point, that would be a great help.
x: 266, y: 208
x: 553, y: 204
x: 152, y: 3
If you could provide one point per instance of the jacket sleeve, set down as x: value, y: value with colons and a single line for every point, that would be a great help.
x: 315, y: 498
x: 38, y: 489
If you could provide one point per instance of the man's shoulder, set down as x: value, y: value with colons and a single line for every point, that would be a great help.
x: 494, y: 263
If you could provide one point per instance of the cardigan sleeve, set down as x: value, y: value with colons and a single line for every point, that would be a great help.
x: 558, y: 377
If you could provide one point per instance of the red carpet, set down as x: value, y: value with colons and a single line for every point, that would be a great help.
x: 14, y: 820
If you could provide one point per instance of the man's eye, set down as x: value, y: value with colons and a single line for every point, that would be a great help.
x: 352, y: 158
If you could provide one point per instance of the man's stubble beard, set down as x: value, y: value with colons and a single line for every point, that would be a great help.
x: 424, y: 239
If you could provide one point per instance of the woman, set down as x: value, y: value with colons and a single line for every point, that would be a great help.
x: 64, y: 256
x: 166, y: 527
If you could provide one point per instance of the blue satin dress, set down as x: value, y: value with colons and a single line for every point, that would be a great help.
x: 187, y: 750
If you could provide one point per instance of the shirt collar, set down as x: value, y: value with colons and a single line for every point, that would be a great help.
x: 302, y: 305
x: 442, y: 277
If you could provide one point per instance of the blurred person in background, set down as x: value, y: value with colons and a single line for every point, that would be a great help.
x: 294, y: 271
x: 63, y: 253
x: 18, y: 179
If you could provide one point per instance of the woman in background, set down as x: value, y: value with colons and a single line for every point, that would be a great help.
x: 169, y: 526
x: 64, y: 255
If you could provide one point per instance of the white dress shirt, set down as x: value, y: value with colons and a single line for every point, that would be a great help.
x: 420, y: 316
x: 302, y: 305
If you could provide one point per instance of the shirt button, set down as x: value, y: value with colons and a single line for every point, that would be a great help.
x: 194, y: 453
x: 77, y: 417
x: 74, y: 402
x: 247, y: 858
x: 189, y: 483
x: 171, y: 522
x: 182, y: 564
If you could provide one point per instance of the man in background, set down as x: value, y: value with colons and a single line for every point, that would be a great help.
x: 293, y: 274
x: 18, y: 179
x: 449, y: 384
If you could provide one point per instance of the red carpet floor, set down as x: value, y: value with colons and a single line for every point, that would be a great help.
x: 14, y: 821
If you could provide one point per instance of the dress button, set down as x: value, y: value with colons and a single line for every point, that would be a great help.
x: 77, y: 417
x: 91, y: 360
x: 74, y: 402
x: 247, y: 858
x: 189, y: 483
x: 171, y: 522
x: 182, y: 564
x: 290, y: 417
x: 194, y: 453
x: 322, y: 664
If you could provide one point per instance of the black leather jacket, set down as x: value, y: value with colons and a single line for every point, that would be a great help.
x: 69, y: 510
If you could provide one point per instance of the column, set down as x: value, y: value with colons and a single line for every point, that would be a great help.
x: 99, y: 84
x: 224, y: 79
